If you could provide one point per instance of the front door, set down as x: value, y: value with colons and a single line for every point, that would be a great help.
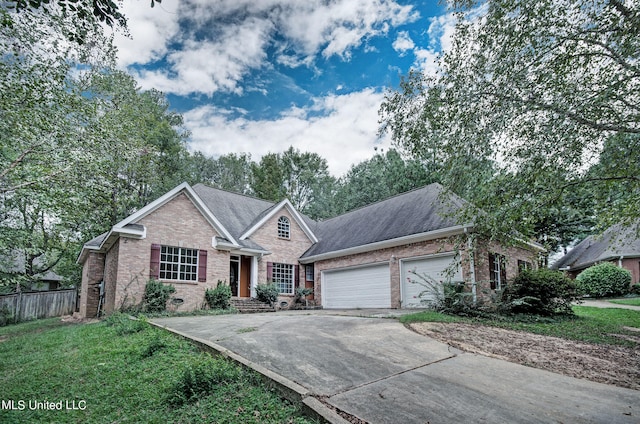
x: 245, y: 273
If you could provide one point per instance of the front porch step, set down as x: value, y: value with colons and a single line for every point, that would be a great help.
x: 248, y: 306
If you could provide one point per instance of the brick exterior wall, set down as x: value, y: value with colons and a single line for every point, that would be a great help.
x: 176, y: 223
x: 92, y: 274
x: 111, y: 277
x: 125, y: 267
x: 286, y: 251
x: 512, y: 254
x: 393, y: 256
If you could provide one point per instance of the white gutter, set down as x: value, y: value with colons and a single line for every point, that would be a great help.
x: 620, y: 261
x: 399, y: 241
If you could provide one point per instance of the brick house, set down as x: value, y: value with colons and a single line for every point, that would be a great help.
x: 619, y: 245
x: 194, y: 237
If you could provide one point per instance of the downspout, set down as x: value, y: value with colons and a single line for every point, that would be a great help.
x: 472, y: 266
x: 620, y: 261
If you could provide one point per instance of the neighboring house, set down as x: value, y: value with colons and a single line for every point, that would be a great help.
x: 618, y: 244
x: 193, y: 237
x: 13, y: 264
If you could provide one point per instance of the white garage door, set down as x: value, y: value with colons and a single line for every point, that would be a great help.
x: 421, y: 277
x: 362, y: 287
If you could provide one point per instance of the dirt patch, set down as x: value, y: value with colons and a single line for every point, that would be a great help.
x: 616, y: 365
x: 77, y: 319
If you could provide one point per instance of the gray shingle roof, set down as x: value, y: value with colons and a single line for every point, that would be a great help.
x: 418, y: 211
x: 616, y: 241
x: 236, y: 212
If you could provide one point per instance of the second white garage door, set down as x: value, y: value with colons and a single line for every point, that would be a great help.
x: 433, y: 269
x: 361, y: 287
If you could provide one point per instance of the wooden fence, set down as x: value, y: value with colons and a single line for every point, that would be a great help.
x: 27, y: 306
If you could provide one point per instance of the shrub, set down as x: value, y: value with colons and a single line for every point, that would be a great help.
x: 219, y: 297
x: 201, y: 377
x: 635, y: 289
x: 156, y: 295
x: 447, y: 297
x: 604, y: 280
x: 302, y: 293
x: 541, y: 292
x: 267, y: 293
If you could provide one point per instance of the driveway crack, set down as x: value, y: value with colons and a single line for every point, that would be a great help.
x: 348, y: 389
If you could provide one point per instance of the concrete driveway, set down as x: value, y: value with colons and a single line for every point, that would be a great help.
x: 379, y: 371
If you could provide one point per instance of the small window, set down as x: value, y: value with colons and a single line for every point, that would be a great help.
x: 497, y: 271
x: 308, y: 272
x: 282, y: 276
x: 524, y: 266
x: 178, y: 263
x: 284, y: 227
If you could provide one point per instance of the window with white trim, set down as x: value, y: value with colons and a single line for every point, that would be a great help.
x: 282, y: 277
x: 497, y: 271
x: 284, y: 227
x: 308, y: 272
x: 178, y: 263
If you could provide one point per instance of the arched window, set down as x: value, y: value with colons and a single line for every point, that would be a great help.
x: 284, y: 228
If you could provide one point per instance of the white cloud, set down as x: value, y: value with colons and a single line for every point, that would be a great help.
x: 209, y: 66
x: 340, y: 128
x: 210, y: 46
x: 151, y: 30
x: 440, y: 32
x: 403, y: 43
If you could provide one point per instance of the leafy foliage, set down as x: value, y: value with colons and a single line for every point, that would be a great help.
x: 303, y: 178
x: 267, y: 293
x: 604, y: 280
x: 81, y: 146
x: 201, y: 377
x: 520, y: 109
x: 302, y: 293
x: 123, y: 324
x: 219, y: 297
x: 542, y: 292
x: 383, y: 176
x: 448, y: 297
x: 128, y: 376
x: 156, y: 295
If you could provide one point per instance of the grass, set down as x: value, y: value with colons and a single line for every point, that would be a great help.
x: 633, y: 301
x: 593, y: 325
x: 127, y: 372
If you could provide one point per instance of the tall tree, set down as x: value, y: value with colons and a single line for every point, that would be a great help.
x: 303, y: 178
x: 80, y: 145
x: 530, y: 92
x: 45, y: 148
x: 230, y: 172
x: 383, y: 176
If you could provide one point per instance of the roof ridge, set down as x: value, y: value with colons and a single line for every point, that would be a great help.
x: 235, y: 193
x: 440, y: 187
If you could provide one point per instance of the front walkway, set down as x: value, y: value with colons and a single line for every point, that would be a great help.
x: 598, y: 303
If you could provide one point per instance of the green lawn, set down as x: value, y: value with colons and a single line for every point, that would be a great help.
x: 593, y: 325
x: 633, y: 301
x: 127, y: 372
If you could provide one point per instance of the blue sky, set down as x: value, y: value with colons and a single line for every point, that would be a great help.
x: 258, y: 76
